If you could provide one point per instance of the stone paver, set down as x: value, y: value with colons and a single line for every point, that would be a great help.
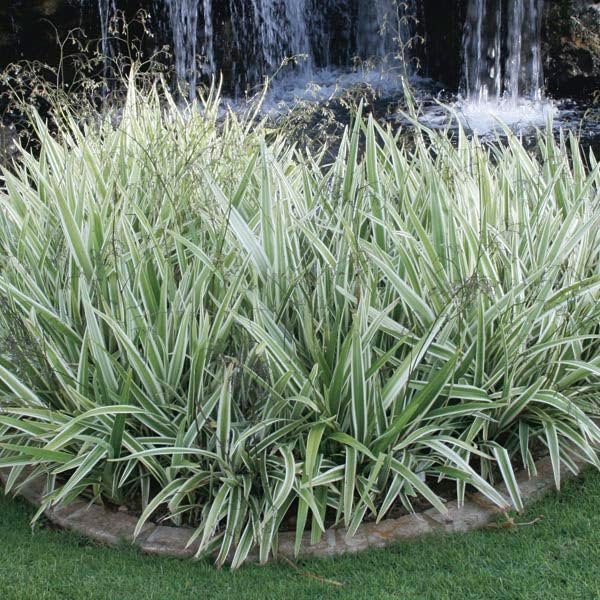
x: 172, y: 541
x: 101, y: 524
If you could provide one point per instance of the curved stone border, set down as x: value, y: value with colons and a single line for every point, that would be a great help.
x: 107, y: 527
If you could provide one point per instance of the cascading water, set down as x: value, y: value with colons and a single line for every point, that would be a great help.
x: 264, y: 33
x: 525, y: 56
x: 248, y: 40
x: 377, y: 28
x: 183, y: 17
x: 503, y: 79
x: 106, y: 8
x: 502, y: 54
x: 348, y: 42
x: 384, y: 27
x: 483, y: 50
x: 208, y: 48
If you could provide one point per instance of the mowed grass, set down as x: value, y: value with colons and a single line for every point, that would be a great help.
x: 557, y: 557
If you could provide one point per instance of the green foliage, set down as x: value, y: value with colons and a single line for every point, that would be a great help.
x: 223, y: 331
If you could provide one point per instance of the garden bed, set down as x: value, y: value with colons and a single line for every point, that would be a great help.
x: 202, y: 322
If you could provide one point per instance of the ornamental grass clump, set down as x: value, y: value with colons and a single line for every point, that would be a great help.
x: 207, y: 324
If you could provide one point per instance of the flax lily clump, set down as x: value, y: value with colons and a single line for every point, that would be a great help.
x: 205, y: 323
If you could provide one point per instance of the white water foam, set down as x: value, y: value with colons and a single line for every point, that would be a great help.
x: 322, y: 85
x: 502, y: 71
x: 519, y: 115
x: 486, y: 118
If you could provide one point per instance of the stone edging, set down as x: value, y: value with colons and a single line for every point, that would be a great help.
x: 107, y: 527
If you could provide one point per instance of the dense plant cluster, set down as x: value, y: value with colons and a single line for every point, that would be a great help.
x: 226, y: 332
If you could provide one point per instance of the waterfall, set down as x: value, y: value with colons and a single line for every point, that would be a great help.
x: 263, y: 34
x: 106, y: 8
x: 282, y: 31
x: 183, y: 17
x: 502, y: 72
x: 208, y: 51
x: 384, y: 27
x: 524, y: 65
x: 248, y: 40
x: 376, y: 23
x: 502, y: 50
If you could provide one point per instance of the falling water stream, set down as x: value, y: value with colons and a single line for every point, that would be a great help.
x: 502, y: 69
x: 502, y: 54
x: 106, y: 8
x: 183, y: 18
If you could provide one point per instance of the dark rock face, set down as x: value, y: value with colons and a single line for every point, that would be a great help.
x: 572, y: 48
x: 441, y: 25
x: 29, y: 28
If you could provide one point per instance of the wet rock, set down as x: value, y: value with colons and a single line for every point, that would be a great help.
x: 441, y: 26
x: 29, y: 29
x: 572, y: 48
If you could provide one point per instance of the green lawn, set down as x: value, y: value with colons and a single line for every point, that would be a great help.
x: 558, y: 557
